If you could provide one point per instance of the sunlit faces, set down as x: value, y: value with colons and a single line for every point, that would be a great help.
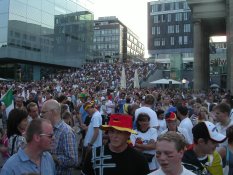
x: 118, y: 138
x: 168, y: 156
x: 46, y: 136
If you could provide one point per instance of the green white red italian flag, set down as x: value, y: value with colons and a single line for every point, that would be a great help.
x: 7, y: 99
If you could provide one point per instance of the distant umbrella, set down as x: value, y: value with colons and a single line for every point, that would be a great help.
x: 136, y: 80
x: 123, y: 78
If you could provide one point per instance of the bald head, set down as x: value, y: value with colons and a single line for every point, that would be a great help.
x: 51, y: 110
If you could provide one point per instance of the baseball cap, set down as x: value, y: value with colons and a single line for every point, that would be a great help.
x: 171, y: 109
x: 88, y: 105
x: 121, y: 122
x: 207, y: 130
x: 170, y: 116
x: 83, y: 95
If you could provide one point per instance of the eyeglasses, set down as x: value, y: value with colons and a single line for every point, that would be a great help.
x: 47, y: 135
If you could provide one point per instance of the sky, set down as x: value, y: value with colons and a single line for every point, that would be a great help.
x: 132, y: 13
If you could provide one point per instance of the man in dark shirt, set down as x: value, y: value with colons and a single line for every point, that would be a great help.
x: 202, y: 158
x: 116, y: 157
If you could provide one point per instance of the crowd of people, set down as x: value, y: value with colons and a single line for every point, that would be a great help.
x: 83, y: 120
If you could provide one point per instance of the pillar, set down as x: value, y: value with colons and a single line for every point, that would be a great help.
x: 229, y: 28
x: 198, y: 56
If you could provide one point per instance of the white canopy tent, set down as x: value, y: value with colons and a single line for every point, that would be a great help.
x: 165, y: 81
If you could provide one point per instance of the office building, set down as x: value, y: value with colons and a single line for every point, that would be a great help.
x: 38, y: 36
x: 170, y: 32
x: 114, y: 41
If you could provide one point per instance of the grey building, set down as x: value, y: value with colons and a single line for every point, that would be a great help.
x: 114, y: 41
x: 169, y: 29
x: 36, y: 35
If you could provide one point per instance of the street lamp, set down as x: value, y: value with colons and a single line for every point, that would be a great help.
x: 183, y: 82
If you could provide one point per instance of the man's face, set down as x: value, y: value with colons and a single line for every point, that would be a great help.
x: 118, y: 138
x: 46, y: 137
x: 220, y: 116
x: 167, y: 155
x: 171, y: 125
x: 19, y: 102
x: 34, y: 112
x: 207, y: 148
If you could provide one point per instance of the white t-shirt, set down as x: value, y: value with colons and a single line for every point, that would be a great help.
x: 182, y: 131
x: 222, y: 130
x: 96, y: 121
x: 186, y: 123
x: 160, y: 172
x: 146, y: 137
x: 109, y: 107
x: 152, y: 114
x: 162, y: 126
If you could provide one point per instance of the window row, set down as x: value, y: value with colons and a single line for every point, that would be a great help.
x: 106, y: 39
x: 172, y: 29
x: 184, y: 16
x: 105, y: 46
x: 106, y: 32
x: 169, y: 6
x: 181, y: 40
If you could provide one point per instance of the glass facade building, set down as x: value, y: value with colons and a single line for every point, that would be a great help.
x: 37, y: 33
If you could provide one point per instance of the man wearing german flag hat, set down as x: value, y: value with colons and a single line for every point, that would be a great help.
x: 116, y: 158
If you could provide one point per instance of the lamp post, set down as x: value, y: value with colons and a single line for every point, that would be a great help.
x: 183, y: 83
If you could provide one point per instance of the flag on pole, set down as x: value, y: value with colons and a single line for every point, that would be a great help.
x: 123, y: 79
x: 136, y: 80
x: 7, y: 99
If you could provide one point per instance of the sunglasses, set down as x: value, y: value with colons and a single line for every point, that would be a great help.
x: 47, y: 135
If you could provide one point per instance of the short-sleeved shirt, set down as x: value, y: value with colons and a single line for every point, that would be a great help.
x: 102, y: 161
x: 211, y: 165
x: 20, y: 163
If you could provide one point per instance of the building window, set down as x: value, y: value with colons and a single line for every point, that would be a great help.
x: 153, y: 31
x: 163, y: 41
x: 154, y: 8
x: 172, y: 6
x: 177, y: 5
x: 178, y: 16
x: 177, y: 28
x: 156, y: 19
x: 158, y: 30
x: 172, y: 41
x: 187, y: 28
x: 180, y: 40
x: 169, y: 17
x: 157, y: 42
x: 185, y: 16
x: 185, y: 39
x: 163, y: 18
x: 162, y: 7
x: 186, y: 5
x: 170, y: 29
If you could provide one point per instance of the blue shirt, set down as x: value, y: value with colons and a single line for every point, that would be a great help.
x: 65, y: 148
x: 83, y: 113
x: 20, y: 163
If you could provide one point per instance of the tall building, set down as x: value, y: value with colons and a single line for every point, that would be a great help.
x: 36, y: 35
x: 114, y: 41
x: 170, y: 31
